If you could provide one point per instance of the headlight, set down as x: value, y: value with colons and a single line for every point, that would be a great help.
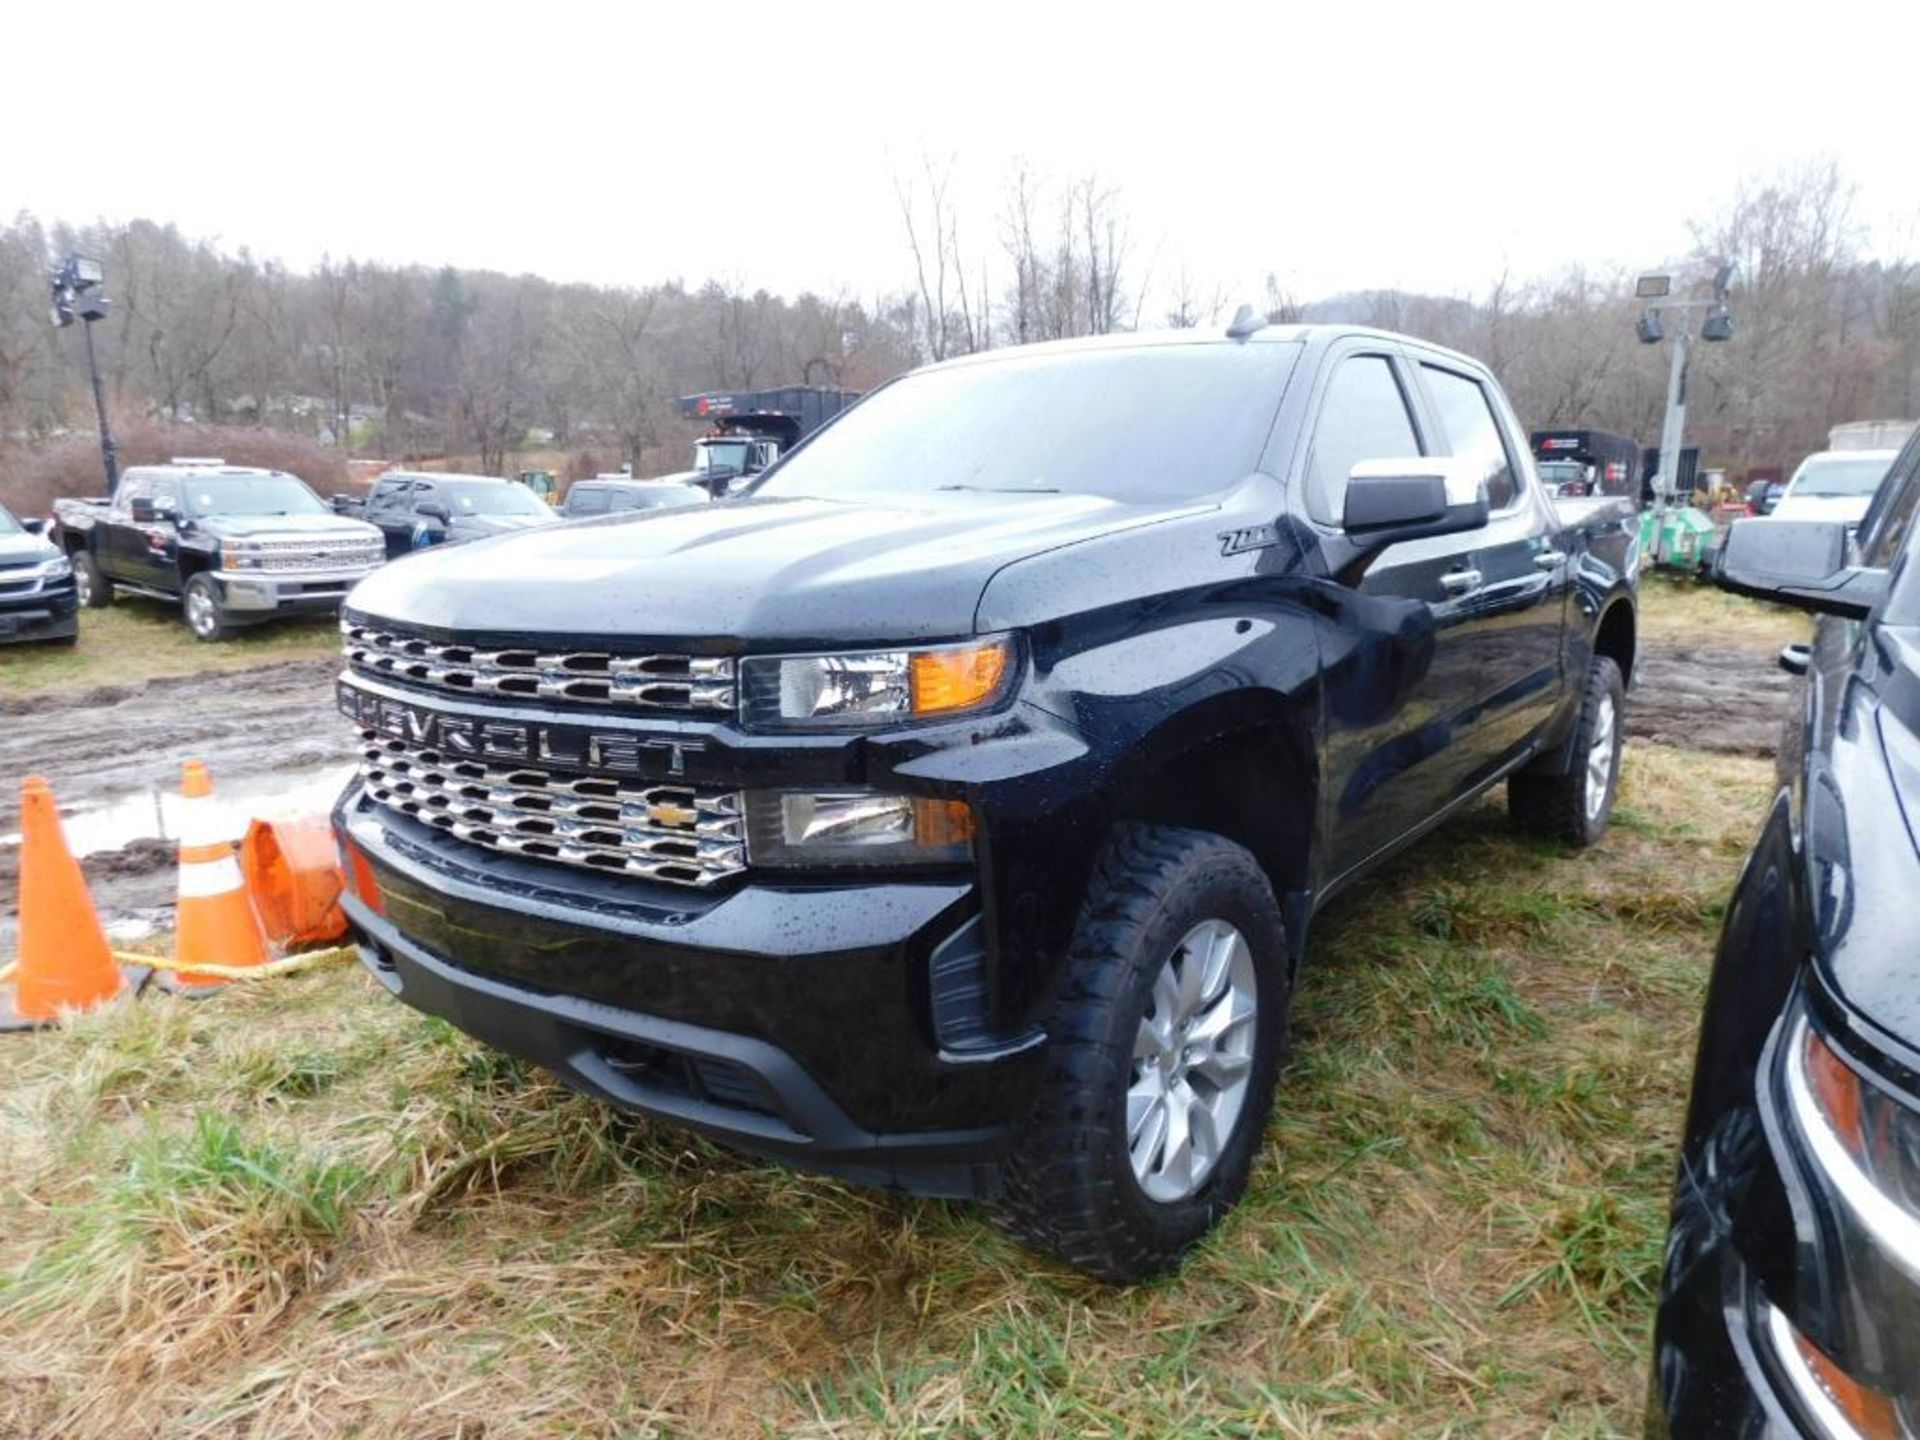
x: 232, y: 557
x: 1865, y: 1140
x: 58, y: 568
x: 855, y: 827
x: 874, y: 687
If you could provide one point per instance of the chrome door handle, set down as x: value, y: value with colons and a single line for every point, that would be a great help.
x: 1460, y: 582
x: 1547, y: 559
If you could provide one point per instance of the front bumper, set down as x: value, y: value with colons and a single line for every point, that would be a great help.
x: 790, y: 1020
x: 47, y: 611
x: 263, y: 593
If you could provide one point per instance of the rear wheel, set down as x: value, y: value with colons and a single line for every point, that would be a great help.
x: 1574, y: 802
x: 95, y: 590
x: 206, y: 616
x: 1166, y: 1040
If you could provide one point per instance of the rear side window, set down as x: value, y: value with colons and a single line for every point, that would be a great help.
x: 587, y: 502
x: 623, y: 500
x: 1466, y: 415
x: 1362, y: 417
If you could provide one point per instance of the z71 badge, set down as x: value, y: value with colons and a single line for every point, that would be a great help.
x: 1254, y: 537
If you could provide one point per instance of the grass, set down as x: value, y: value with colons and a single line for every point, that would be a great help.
x: 1677, y: 610
x: 136, y: 640
x: 299, y: 1209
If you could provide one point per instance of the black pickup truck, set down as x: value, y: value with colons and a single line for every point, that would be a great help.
x: 230, y: 544
x: 950, y: 810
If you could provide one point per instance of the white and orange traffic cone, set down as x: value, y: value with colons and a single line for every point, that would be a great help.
x: 65, y: 963
x: 217, y: 922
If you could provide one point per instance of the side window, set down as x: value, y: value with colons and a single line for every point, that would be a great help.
x: 1466, y: 415
x: 587, y: 502
x: 131, y: 489
x: 1363, y: 416
x: 386, y: 495
x: 1889, y: 523
x: 166, y: 494
x: 421, y: 494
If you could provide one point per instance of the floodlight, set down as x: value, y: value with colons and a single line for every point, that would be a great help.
x: 1653, y: 287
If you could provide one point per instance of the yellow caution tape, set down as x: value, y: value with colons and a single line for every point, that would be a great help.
x: 289, y: 966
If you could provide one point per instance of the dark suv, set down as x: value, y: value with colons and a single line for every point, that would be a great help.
x: 1791, y: 1301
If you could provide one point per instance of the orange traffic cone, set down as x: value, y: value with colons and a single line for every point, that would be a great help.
x: 65, y: 962
x: 217, y: 923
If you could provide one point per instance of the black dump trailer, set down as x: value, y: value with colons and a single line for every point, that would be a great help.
x: 1587, y: 462
x: 787, y: 414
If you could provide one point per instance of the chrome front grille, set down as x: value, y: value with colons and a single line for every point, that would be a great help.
x: 642, y: 682
x: 279, y: 556
x: 680, y: 834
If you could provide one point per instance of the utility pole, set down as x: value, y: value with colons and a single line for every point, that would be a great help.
x: 77, y: 293
x: 1657, y: 291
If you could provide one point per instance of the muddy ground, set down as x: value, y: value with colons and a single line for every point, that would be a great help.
x: 100, y: 746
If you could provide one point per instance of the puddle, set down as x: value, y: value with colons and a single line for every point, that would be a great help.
x: 155, y: 814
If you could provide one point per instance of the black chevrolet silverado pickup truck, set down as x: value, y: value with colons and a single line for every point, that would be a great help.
x: 231, y: 545
x: 950, y: 810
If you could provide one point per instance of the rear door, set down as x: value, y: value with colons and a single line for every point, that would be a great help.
x: 122, y: 546
x: 1511, y: 626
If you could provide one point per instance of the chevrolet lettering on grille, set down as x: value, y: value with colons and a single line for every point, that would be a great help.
x: 569, y: 747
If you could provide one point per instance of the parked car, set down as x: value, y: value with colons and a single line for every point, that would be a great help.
x: 417, y: 510
x: 38, y: 600
x: 1790, y: 1301
x: 1834, y: 485
x: 951, y: 812
x: 611, y: 494
x: 231, y: 544
x: 1763, y: 496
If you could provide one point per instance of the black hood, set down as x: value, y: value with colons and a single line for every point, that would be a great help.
x: 751, y: 569
x: 284, y: 527
x: 479, y: 527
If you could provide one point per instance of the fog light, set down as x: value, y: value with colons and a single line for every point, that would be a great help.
x: 856, y: 827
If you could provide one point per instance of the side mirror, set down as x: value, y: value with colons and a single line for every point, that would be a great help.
x: 342, y: 504
x: 1389, y: 501
x: 143, y: 511
x: 34, y: 527
x: 1803, y: 563
x: 434, y: 510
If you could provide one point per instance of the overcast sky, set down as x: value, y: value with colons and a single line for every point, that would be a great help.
x: 1347, y: 145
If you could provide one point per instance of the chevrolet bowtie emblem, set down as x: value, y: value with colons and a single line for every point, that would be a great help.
x: 665, y: 812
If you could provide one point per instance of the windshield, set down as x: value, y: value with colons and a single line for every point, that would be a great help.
x: 1840, y: 477
x: 8, y: 525
x: 248, y: 495
x: 721, y: 455
x: 489, y: 497
x: 1150, y: 423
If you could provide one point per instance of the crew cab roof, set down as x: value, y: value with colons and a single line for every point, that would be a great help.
x: 190, y: 470
x: 1312, y: 336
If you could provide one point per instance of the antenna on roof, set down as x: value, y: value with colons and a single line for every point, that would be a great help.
x: 1246, y: 320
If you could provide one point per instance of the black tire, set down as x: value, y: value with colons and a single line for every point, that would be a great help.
x: 1070, y: 1187
x: 1559, y: 803
x: 96, y: 591
x: 206, y: 617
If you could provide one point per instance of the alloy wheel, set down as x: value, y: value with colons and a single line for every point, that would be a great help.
x: 1600, y: 758
x: 1192, y: 1061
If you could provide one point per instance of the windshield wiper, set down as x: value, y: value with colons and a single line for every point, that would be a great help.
x: 1004, y: 489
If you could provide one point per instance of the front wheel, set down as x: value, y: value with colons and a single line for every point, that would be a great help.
x: 1574, y: 802
x: 206, y: 616
x: 1166, y: 1040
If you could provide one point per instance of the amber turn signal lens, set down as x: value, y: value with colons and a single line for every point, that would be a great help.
x: 942, y: 822
x: 960, y: 678
x: 1868, y: 1412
